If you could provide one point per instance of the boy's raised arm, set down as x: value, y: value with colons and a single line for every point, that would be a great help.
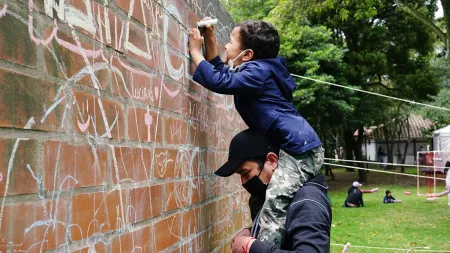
x: 210, y: 41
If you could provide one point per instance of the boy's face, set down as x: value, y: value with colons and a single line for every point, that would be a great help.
x: 233, y: 48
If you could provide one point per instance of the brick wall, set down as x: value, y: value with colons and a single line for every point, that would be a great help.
x: 106, y: 144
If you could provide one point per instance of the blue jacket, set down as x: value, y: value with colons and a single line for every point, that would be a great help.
x: 308, y: 222
x: 262, y: 92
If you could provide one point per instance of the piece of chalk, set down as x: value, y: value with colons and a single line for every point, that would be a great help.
x: 407, y: 193
x: 210, y: 22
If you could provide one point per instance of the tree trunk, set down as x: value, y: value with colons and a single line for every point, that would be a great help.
x: 446, y: 9
x: 402, y: 169
x: 328, y: 153
x: 357, y: 148
x: 348, y: 148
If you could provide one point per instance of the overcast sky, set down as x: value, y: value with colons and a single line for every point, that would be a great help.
x: 440, y: 12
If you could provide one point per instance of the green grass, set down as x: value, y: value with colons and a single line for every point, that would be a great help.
x: 412, y: 223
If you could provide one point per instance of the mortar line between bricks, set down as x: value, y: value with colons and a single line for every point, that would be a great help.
x: 80, y: 139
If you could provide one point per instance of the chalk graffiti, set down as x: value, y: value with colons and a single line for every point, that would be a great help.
x: 118, y: 160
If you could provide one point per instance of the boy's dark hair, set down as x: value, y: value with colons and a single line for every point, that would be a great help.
x: 387, y: 192
x: 261, y: 37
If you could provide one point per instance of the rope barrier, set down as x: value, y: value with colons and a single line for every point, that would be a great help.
x: 394, y: 164
x: 382, y: 171
x: 373, y: 93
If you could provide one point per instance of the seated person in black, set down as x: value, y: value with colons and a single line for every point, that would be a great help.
x: 354, y: 197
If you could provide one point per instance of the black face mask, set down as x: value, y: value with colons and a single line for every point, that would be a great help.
x: 255, y: 186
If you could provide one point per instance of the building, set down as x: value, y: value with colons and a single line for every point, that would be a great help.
x: 411, y: 135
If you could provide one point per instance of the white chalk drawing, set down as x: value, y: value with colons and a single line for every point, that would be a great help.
x: 97, y: 119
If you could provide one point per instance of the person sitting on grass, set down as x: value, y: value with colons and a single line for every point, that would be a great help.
x: 354, y: 197
x: 389, y: 198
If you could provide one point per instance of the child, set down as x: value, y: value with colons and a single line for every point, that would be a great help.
x: 389, y: 198
x: 262, y: 88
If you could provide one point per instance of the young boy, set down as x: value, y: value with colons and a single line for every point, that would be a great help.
x: 389, y: 198
x: 262, y: 88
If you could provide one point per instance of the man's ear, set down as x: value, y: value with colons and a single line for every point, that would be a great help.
x: 272, y: 158
x: 248, y: 55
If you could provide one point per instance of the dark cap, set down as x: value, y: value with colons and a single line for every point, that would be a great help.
x: 246, y: 144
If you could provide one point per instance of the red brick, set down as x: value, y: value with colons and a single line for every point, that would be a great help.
x: 180, y: 13
x: 140, y: 45
x: 87, y: 166
x: 174, y: 65
x: 192, y: 222
x: 170, y: 97
x: 69, y: 62
x: 199, y: 137
x: 144, y: 125
x: 88, y: 116
x: 192, y: 19
x: 131, y: 82
x: 140, y: 11
x: 133, y: 165
x: 20, y: 179
x: 97, y: 248
x: 15, y: 42
x: 112, y: 35
x: 164, y: 163
x: 23, y: 97
x: 167, y: 232
x: 199, y: 192
x: 199, y: 164
x: 146, y: 202
x: 176, y: 37
x: 136, y: 241
x: 216, y: 235
x: 176, y: 195
x: 94, y: 213
x: 31, y: 225
x: 175, y: 130
x: 238, y: 221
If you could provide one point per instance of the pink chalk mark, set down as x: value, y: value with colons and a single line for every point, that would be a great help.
x: 135, y: 71
x: 170, y: 92
x: 84, y: 126
x: 31, y: 26
x: 195, y: 97
x: 156, y: 93
x: 3, y: 11
x: 77, y: 50
x: 148, y: 122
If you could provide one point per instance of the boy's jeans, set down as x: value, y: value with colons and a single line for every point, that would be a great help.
x: 290, y: 175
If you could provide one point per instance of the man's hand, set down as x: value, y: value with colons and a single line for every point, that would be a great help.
x: 208, y: 30
x: 242, y: 242
x: 195, y: 40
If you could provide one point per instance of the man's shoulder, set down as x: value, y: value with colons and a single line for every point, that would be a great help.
x: 312, y: 192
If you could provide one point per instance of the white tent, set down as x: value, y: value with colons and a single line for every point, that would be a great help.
x: 441, y: 139
x: 441, y: 142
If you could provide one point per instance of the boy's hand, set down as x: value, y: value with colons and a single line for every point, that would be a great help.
x: 207, y: 31
x: 195, y: 40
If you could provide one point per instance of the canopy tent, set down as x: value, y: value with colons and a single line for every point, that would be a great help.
x: 441, y: 144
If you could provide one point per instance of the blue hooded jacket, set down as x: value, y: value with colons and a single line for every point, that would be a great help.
x: 262, y: 92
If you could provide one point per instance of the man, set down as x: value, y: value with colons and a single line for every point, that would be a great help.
x: 308, y: 220
x: 354, y: 197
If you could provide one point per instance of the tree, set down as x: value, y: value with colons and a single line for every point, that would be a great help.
x: 421, y: 13
x: 370, y: 45
x: 387, y: 52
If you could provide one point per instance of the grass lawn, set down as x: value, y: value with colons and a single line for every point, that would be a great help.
x: 414, y: 222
